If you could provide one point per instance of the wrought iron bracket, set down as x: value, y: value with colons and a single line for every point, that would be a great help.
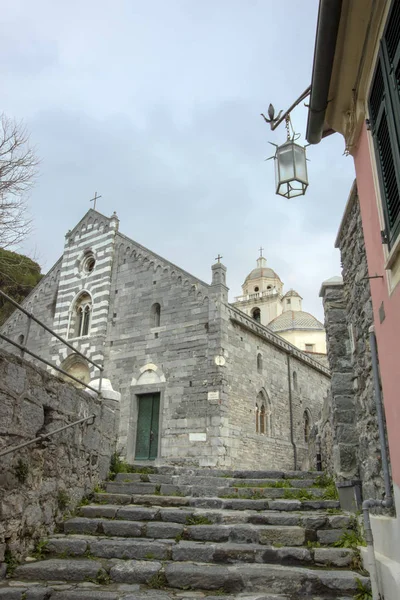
x: 273, y: 121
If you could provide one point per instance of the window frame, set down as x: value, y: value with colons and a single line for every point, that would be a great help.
x: 389, y: 110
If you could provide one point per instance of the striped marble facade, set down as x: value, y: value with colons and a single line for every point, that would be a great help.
x: 94, y: 235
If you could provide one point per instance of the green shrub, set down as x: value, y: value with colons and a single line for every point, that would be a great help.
x: 363, y: 592
x: 40, y: 549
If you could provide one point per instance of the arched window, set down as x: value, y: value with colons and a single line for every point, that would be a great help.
x: 80, y: 316
x: 306, y: 425
x: 259, y: 363
x: 262, y: 419
x: 256, y: 314
x: 155, y: 315
x: 268, y: 419
x: 295, y: 381
x: 21, y: 339
x: 263, y: 414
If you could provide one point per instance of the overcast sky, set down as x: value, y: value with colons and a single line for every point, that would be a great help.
x: 155, y: 104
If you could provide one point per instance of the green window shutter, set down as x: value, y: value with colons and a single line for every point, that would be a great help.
x: 384, y: 108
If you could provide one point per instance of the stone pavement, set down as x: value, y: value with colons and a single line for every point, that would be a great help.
x: 201, y: 533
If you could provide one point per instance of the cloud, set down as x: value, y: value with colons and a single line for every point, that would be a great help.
x: 157, y: 107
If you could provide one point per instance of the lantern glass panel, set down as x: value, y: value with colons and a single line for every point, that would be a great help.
x: 284, y: 155
x: 300, y: 163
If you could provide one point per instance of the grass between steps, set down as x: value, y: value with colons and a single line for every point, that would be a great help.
x: 119, y: 465
x: 274, y: 484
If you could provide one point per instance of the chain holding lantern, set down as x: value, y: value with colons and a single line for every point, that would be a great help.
x: 291, y: 178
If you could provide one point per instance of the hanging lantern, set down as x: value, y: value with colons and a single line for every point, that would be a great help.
x: 290, y: 170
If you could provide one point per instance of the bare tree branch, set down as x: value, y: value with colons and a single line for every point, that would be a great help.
x: 18, y: 169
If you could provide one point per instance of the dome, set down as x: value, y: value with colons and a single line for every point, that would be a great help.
x: 262, y: 271
x: 295, y: 319
x: 291, y: 294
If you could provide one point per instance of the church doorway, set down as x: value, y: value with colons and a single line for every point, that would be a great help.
x: 147, y: 427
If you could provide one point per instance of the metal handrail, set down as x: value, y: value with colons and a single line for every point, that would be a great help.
x: 24, y: 349
x: 46, y: 435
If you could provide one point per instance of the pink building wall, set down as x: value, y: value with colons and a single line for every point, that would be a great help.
x: 387, y: 332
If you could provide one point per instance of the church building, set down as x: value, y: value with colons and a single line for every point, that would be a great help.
x: 202, y: 382
x: 263, y: 299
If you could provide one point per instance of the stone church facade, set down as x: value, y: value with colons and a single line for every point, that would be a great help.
x: 201, y: 382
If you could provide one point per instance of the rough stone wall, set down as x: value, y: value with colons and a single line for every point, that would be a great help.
x: 349, y: 433
x: 37, y: 481
x: 343, y: 412
x: 359, y: 317
x: 308, y: 385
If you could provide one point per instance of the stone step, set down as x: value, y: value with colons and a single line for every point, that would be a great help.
x: 287, y: 535
x: 213, y: 502
x: 193, y: 575
x: 206, y: 480
x: 124, y: 487
x: 82, y: 591
x: 241, y: 474
x: 187, y: 515
x: 224, y: 552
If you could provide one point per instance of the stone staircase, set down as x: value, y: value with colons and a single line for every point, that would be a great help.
x: 180, y: 533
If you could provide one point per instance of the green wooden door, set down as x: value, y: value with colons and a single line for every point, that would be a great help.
x: 147, y: 427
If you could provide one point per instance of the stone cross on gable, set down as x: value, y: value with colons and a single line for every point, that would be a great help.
x: 96, y: 197
x: 218, y: 258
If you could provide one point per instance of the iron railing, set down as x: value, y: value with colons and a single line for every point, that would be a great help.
x: 23, y: 347
x: 43, y: 436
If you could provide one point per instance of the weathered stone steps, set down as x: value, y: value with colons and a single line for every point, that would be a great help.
x: 194, y: 575
x: 225, y: 473
x: 213, y: 502
x: 118, y: 487
x: 212, y: 481
x: 82, y: 591
x: 223, y: 552
x: 315, y: 520
x: 237, y: 532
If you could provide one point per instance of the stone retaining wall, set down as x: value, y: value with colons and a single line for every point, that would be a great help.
x: 40, y: 482
x: 349, y: 429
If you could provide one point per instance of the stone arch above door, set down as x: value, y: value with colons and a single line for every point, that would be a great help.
x: 149, y: 374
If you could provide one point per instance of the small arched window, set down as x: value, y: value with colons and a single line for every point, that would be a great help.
x: 262, y: 419
x: 21, y: 339
x: 256, y: 314
x: 257, y: 417
x: 306, y: 425
x: 155, y: 315
x: 259, y: 363
x: 80, y: 316
x: 295, y: 385
x: 268, y: 419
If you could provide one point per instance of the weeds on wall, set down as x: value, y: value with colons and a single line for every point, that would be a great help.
x: 21, y: 471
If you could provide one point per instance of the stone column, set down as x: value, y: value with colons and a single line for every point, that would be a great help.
x: 345, y: 443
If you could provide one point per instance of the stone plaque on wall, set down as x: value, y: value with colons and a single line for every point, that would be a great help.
x: 197, y: 437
